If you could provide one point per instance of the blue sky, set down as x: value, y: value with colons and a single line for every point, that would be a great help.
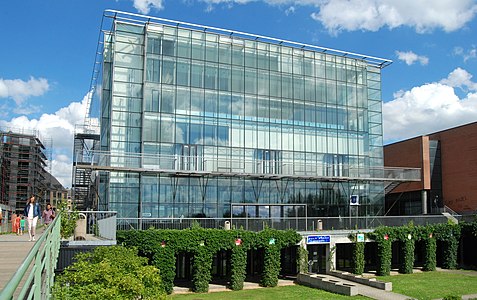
x: 48, y: 50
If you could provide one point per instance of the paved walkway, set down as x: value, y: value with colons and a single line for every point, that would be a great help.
x: 364, y: 290
x: 371, y: 292
x: 222, y: 288
x: 13, y: 250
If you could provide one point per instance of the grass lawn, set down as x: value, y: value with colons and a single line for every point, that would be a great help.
x: 432, y: 285
x: 277, y: 293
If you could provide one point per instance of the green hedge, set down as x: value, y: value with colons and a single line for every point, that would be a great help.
x: 448, y: 234
x: 302, y: 261
x: 165, y: 261
x: 238, y: 269
x: 430, y: 247
x: 271, y: 266
x: 383, y: 238
x: 201, y: 270
x: 113, y: 272
x: 161, y: 246
x: 357, y: 261
x: 407, y: 252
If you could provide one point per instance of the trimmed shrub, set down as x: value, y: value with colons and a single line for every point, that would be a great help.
x: 430, y: 247
x: 161, y: 246
x: 113, y: 272
x: 358, y: 258
x: 201, y: 270
x: 302, y: 261
x: 238, y: 268
x: 407, y: 252
x: 271, y: 266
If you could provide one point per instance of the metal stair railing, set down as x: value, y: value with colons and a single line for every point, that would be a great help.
x: 38, y: 269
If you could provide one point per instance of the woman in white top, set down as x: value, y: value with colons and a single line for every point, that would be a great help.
x: 33, y: 212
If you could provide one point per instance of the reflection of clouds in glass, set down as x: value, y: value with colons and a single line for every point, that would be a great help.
x: 179, y: 135
x: 167, y: 132
x: 212, y: 141
x: 250, y: 108
x: 237, y: 107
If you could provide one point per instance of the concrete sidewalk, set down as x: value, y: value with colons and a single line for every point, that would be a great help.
x: 223, y: 288
x: 368, y: 291
x: 364, y: 290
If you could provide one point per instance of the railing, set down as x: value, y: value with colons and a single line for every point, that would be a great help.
x: 100, y: 225
x: 296, y: 223
x: 246, y: 167
x: 449, y: 210
x: 5, y: 226
x: 37, y: 270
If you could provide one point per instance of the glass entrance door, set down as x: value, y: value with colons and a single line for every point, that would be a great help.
x: 316, y: 258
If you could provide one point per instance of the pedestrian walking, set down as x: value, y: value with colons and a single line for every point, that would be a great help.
x: 48, y: 215
x: 14, y: 223
x: 22, y: 225
x: 17, y: 224
x: 33, y: 212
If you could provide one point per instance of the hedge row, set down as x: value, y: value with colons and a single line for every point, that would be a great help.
x: 161, y: 247
x: 448, y: 234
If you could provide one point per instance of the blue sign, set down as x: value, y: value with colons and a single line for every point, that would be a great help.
x: 318, y: 239
x: 354, y: 200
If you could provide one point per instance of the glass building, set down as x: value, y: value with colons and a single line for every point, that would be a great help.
x: 207, y: 122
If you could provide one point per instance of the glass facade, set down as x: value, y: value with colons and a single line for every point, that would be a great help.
x: 236, y: 116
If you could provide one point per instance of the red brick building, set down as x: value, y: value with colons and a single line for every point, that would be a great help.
x: 448, y: 162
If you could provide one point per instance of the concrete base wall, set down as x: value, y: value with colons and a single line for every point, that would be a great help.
x: 321, y: 282
x: 387, y: 286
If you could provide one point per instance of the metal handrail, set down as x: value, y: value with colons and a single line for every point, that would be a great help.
x: 40, y: 279
x: 299, y: 223
x: 208, y: 165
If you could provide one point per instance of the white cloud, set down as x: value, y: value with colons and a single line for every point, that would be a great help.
x: 372, y: 15
x: 460, y: 78
x: 430, y: 107
x: 20, y: 90
x: 60, y: 127
x: 61, y: 169
x: 466, y: 55
x: 290, y: 10
x: 144, y: 6
x: 410, y: 58
x: 27, y: 109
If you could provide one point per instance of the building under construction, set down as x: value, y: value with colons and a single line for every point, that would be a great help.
x: 24, y: 169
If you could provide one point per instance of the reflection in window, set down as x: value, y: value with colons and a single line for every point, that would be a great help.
x: 168, y: 72
x: 153, y: 45
x: 336, y: 165
x: 153, y: 69
x: 168, y: 47
x: 268, y: 161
